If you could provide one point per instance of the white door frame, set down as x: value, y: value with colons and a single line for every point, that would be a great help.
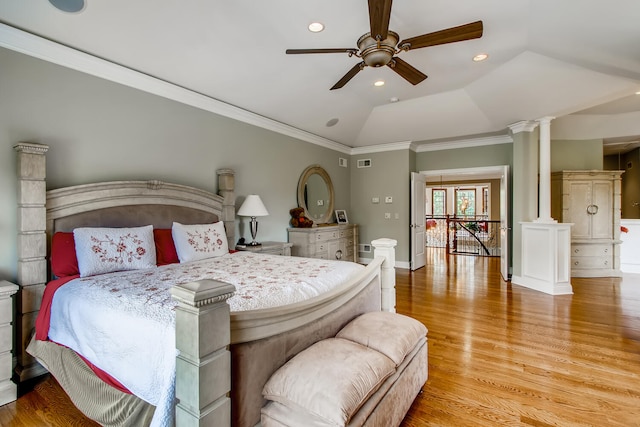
x: 480, y: 173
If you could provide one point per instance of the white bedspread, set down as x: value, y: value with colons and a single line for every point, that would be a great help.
x: 124, y: 322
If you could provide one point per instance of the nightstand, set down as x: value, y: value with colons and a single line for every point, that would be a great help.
x: 274, y: 248
x: 8, y: 390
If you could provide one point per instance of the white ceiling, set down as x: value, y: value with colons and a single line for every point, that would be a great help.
x: 547, y: 58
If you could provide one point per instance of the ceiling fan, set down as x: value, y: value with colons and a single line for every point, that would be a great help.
x: 379, y: 46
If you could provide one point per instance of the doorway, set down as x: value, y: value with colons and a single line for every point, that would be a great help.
x: 500, y: 173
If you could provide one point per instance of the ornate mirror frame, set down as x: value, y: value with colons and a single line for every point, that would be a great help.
x: 308, y: 173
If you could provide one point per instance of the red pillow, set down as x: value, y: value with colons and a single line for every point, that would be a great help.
x: 63, y: 255
x: 165, y: 248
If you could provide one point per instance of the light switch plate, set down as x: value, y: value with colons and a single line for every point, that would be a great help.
x: 388, y: 199
x: 375, y: 200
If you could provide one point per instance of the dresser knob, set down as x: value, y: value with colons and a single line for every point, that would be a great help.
x: 576, y: 250
x: 576, y: 263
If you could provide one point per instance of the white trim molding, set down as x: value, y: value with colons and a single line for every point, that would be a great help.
x: 380, y: 148
x: 523, y: 126
x: 47, y: 50
x: 464, y: 143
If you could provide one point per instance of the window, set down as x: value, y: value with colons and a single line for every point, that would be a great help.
x: 439, y: 204
x: 465, y: 202
x: 485, y: 201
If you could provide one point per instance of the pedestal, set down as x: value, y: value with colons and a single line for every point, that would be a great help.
x: 546, y: 258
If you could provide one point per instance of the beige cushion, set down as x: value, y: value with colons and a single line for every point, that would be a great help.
x: 392, y: 334
x: 331, y: 379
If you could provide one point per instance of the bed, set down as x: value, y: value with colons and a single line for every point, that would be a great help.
x: 225, y: 357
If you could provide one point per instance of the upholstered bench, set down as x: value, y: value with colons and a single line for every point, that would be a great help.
x: 368, y: 375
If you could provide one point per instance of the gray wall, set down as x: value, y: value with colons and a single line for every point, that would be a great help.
x: 489, y: 155
x: 389, y: 175
x: 98, y: 130
x: 576, y: 155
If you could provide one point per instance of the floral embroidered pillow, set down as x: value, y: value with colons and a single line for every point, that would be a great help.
x: 103, y: 250
x: 199, y: 241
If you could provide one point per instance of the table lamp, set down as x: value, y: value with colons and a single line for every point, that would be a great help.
x: 253, y: 207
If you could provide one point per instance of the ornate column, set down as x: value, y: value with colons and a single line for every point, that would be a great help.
x: 545, y: 243
x: 226, y: 188
x: 203, y: 367
x: 32, y: 250
x: 544, y: 213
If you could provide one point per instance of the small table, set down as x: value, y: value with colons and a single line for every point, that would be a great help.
x: 275, y: 248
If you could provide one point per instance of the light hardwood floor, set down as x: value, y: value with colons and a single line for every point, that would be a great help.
x: 498, y: 354
x: 506, y: 355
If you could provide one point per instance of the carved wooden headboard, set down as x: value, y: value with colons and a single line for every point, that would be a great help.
x: 111, y: 204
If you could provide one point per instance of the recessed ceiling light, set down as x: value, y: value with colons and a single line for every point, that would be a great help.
x: 638, y: 92
x: 316, y: 27
x: 332, y: 122
x: 379, y: 83
x: 394, y: 99
x: 480, y: 57
x: 70, y: 6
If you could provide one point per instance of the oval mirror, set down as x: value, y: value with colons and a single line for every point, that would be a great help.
x: 315, y: 194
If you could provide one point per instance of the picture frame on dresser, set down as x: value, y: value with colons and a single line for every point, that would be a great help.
x: 341, y: 216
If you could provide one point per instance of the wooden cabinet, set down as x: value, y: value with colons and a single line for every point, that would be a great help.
x: 591, y: 201
x: 328, y: 242
x: 274, y: 248
x: 8, y: 390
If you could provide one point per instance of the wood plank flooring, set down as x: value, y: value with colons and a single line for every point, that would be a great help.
x: 499, y: 355
x: 506, y: 355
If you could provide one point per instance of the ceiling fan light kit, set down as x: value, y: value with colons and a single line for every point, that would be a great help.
x: 380, y: 46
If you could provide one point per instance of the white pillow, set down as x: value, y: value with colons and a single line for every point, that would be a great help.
x: 199, y: 241
x: 103, y: 250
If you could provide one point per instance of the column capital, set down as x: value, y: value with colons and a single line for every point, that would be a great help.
x: 31, y: 147
x: 523, y: 126
x: 546, y: 119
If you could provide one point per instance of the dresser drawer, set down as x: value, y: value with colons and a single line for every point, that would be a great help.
x: 580, y: 250
x: 6, y: 310
x: 6, y: 366
x: 6, y: 332
x: 323, y: 236
x: 592, y: 262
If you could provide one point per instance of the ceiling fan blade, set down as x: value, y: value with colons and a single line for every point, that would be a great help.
x: 329, y: 50
x: 406, y: 71
x: 352, y: 72
x: 450, y: 35
x: 379, y: 14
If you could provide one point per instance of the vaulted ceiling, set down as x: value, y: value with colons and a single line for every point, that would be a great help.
x: 546, y: 58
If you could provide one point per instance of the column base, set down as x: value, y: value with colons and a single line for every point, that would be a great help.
x: 546, y: 256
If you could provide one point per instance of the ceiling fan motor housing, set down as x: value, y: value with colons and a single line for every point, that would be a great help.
x: 375, y: 55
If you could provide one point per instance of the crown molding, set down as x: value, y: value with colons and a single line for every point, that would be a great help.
x: 380, y: 148
x: 464, y: 143
x: 47, y: 50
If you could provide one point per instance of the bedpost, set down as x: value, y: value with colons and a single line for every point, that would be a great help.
x: 226, y: 189
x: 32, y: 250
x: 203, y: 367
x: 386, y: 249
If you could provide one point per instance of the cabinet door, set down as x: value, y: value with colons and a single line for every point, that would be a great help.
x: 602, y: 199
x: 579, y: 200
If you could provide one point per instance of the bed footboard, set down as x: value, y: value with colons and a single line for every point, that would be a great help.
x: 203, y: 367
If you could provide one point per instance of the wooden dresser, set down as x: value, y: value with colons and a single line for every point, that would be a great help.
x: 337, y: 241
x: 590, y: 199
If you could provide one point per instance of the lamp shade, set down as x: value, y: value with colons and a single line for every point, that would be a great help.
x: 252, y: 206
